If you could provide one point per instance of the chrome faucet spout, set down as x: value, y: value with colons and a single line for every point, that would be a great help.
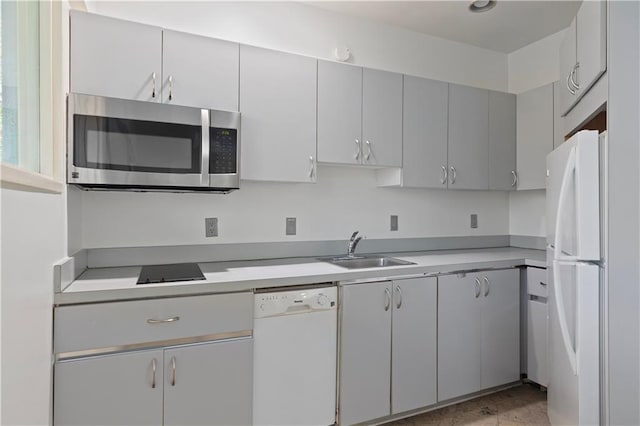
x: 353, y: 243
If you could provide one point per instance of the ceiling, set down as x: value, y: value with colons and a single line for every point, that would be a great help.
x: 510, y: 25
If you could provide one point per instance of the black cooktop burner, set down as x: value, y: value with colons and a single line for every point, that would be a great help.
x: 170, y: 273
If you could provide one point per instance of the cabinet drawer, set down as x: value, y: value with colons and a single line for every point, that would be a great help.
x: 537, y: 282
x: 105, y: 325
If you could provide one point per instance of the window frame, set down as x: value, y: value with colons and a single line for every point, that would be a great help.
x: 52, y: 103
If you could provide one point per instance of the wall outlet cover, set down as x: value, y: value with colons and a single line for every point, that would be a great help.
x: 474, y: 221
x: 211, y: 227
x: 394, y: 222
x: 291, y: 226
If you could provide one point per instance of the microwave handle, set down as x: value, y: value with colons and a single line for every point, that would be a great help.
x: 204, y: 170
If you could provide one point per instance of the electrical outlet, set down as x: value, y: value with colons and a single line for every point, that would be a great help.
x: 291, y: 226
x: 474, y: 221
x: 211, y: 227
x: 394, y: 222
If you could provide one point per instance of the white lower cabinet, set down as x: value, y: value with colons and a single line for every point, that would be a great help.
x: 537, y: 326
x: 478, y: 331
x: 387, y: 349
x: 192, y: 385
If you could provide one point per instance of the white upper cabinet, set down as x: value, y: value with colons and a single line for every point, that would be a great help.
x: 278, y: 105
x: 583, y: 53
x: 199, y: 71
x: 468, y: 137
x: 502, y: 141
x: 339, y: 113
x: 115, y: 58
x: 535, y: 136
x: 424, y: 130
x: 567, y: 69
x: 382, y: 118
x: 591, y: 43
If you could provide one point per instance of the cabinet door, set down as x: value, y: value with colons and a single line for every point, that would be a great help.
x: 502, y: 141
x: 424, y: 133
x: 459, y: 327
x: 500, y: 327
x: 414, y: 368
x: 278, y: 104
x: 199, y: 71
x: 537, y: 341
x: 109, y: 390
x: 468, y: 137
x: 591, y: 43
x: 535, y: 136
x: 365, y: 350
x: 382, y: 118
x: 558, y: 121
x: 567, y: 63
x: 115, y: 58
x: 339, y: 113
x: 209, y: 384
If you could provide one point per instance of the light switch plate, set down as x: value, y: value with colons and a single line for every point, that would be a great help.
x: 474, y: 221
x: 394, y: 222
x: 291, y: 226
x: 211, y: 227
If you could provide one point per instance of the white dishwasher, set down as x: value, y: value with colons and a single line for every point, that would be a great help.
x: 295, y: 352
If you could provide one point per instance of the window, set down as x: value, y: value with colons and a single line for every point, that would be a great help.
x: 26, y: 107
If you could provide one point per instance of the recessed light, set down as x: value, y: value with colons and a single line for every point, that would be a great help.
x: 478, y: 6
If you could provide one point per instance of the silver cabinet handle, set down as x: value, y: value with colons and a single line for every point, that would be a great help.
x: 312, y: 168
x: 173, y: 371
x: 477, y: 284
x: 368, y: 150
x: 170, y: 87
x: 162, y: 321
x: 153, y: 91
x: 443, y: 180
x: 453, y: 175
x: 153, y: 373
x: 358, y: 152
x: 543, y: 284
x: 574, y: 81
x: 399, y: 302
x: 569, y: 88
x: 515, y: 178
x: 486, y: 290
x: 387, y: 295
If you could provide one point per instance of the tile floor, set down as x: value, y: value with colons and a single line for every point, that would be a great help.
x: 522, y: 405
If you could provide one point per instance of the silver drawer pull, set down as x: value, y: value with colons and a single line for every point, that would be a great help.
x: 543, y: 284
x: 153, y: 375
x: 173, y: 371
x: 162, y: 321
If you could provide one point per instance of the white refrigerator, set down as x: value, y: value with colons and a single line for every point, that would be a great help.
x: 575, y: 263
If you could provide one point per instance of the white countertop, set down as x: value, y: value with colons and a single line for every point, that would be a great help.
x: 119, y: 283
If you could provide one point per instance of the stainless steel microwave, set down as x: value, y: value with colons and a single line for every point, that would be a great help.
x: 118, y: 144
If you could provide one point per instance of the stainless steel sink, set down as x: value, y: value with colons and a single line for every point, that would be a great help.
x: 361, y: 262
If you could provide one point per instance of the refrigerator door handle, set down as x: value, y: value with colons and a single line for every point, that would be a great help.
x: 562, y: 317
x: 564, y: 191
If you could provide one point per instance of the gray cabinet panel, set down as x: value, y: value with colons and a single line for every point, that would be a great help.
x: 591, y: 43
x: 365, y: 363
x: 500, y: 327
x: 213, y: 384
x: 382, y: 118
x: 414, y: 367
x: 109, y: 390
x: 115, y: 58
x: 203, y: 71
x: 468, y: 137
x: 424, y: 124
x: 459, y: 328
x: 567, y: 62
x: 278, y: 104
x: 558, y: 121
x: 502, y: 140
x: 535, y: 136
x: 339, y: 113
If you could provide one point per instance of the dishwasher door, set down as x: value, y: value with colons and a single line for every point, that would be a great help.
x: 295, y: 353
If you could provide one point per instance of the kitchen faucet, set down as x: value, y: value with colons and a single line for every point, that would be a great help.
x: 353, y: 243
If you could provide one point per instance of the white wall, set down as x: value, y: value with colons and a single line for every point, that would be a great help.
x: 306, y: 30
x: 343, y: 200
x: 532, y: 66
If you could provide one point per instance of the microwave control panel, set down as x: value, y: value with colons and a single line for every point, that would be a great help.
x: 223, y: 150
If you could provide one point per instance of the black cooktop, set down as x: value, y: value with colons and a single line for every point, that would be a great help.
x: 170, y: 273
